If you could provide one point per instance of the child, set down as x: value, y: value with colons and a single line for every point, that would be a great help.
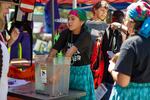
x: 132, y: 69
x: 77, y: 40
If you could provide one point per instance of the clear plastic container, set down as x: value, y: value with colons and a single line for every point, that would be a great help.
x: 52, y: 77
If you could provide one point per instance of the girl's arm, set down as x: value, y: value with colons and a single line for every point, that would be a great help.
x: 121, y: 79
x: 120, y: 26
x: 71, y: 51
x: 52, y: 53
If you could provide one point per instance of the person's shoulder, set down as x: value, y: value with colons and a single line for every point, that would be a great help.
x: 97, y: 25
x: 139, y: 40
x: 89, y: 21
x: 95, y: 22
x: 132, y: 41
x: 85, y: 29
x: 134, y: 38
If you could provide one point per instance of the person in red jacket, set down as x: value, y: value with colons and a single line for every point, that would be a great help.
x: 76, y: 40
x: 97, y: 25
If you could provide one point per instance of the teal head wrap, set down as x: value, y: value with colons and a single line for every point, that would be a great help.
x: 79, y: 13
x: 140, y: 11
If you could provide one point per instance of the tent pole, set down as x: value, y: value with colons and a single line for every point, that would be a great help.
x: 74, y: 3
x: 53, y: 18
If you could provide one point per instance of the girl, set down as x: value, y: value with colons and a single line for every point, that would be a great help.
x: 131, y: 72
x: 77, y: 40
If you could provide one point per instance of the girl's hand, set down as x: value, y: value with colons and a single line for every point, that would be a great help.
x: 13, y: 37
x: 113, y: 62
x: 115, y: 57
x: 111, y: 66
x: 14, y: 34
x: 71, y: 51
x: 116, y: 25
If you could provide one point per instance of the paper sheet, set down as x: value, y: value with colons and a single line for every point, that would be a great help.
x: 16, y: 82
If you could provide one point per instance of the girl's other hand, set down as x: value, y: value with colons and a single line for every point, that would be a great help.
x: 14, y: 34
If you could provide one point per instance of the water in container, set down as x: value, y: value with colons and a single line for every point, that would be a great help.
x: 52, y: 77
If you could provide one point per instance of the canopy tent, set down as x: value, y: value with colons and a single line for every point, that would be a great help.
x: 92, y: 1
x: 29, y: 73
x: 86, y: 1
x: 42, y: 1
x: 113, y: 6
x: 117, y: 4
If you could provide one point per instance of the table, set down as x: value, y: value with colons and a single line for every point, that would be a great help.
x: 27, y: 92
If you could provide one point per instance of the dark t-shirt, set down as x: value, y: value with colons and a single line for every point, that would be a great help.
x: 81, y: 41
x: 134, y: 59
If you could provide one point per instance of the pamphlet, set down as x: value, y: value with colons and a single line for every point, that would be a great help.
x: 100, y: 91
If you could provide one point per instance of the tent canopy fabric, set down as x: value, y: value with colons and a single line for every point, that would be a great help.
x: 85, y: 1
x: 117, y: 4
x: 92, y: 1
x: 42, y: 1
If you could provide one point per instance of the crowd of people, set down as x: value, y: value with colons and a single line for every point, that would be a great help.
x: 121, y: 45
